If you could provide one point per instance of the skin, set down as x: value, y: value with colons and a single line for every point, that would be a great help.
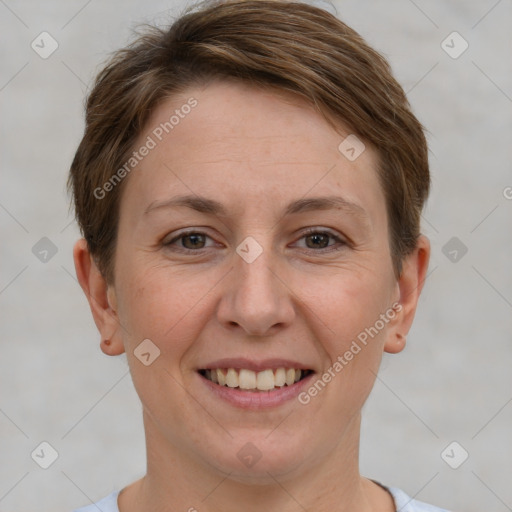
x: 254, y: 151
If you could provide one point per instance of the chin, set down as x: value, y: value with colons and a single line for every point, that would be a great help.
x: 257, y: 461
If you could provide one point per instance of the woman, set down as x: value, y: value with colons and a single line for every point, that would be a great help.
x: 249, y: 188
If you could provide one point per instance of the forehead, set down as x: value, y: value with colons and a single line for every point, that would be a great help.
x: 248, y: 144
x: 227, y: 113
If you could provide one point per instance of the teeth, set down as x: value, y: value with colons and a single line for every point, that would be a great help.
x: 265, y: 380
x: 220, y: 377
x: 280, y: 377
x: 232, y: 378
x: 246, y: 379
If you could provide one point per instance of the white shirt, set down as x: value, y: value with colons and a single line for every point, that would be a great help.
x: 403, y: 503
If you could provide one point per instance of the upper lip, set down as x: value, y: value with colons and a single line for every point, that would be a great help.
x: 255, y: 366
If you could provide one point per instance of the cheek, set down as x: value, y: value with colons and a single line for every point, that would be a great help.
x: 351, y: 305
x: 357, y: 315
x: 159, y: 307
x: 162, y: 307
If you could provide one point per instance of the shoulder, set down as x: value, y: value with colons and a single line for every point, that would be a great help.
x: 404, y: 503
x: 107, y: 504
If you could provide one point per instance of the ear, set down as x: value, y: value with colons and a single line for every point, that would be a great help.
x: 410, y: 284
x: 101, y: 297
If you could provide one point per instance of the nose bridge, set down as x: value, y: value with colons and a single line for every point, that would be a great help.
x: 255, y: 278
x: 256, y: 299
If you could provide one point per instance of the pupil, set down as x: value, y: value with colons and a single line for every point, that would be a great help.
x: 316, y: 238
x: 195, y: 238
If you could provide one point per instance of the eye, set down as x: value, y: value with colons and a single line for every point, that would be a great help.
x: 318, y: 239
x: 189, y: 241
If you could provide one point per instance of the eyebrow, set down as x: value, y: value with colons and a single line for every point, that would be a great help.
x: 212, y: 207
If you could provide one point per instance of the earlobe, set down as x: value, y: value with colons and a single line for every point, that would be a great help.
x: 101, y: 298
x: 395, y: 345
x: 410, y: 284
x: 111, y: 349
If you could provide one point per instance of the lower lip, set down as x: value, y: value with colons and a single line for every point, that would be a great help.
x: 257, y: 399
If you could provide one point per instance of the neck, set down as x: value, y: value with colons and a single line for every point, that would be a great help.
x: 175, y: 480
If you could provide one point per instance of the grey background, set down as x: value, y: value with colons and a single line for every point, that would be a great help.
x: 452, y: 383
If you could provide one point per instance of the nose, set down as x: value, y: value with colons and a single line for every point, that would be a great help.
x: 256, y: 296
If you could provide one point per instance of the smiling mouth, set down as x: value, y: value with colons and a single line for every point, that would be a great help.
x: 248, y: 380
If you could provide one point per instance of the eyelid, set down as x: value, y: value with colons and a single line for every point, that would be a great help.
x: 326, y: 231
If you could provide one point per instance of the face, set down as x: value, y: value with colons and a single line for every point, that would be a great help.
x: 250, y: 248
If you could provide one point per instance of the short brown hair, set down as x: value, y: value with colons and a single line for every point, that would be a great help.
x: 289, y: 46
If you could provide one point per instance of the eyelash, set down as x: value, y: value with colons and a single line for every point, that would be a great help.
x: 309, y: 232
